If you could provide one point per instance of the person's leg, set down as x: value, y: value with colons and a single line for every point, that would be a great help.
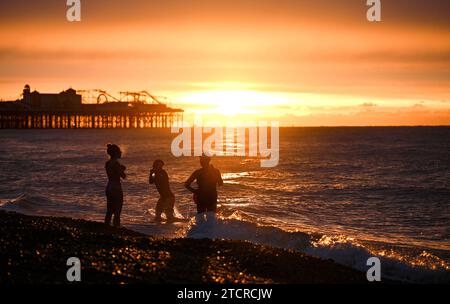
x: 117, y: 212
x: 168, y: 210
x: 200, y: 216
x: 159, y: 209
x: 212, y: 207
x: 211, y: 211
x: 108, y: 213
x: 201, y: 208
x: 211, y: 217
x: 117, y: 202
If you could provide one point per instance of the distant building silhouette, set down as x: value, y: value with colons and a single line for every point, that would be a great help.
x: 68, y: 99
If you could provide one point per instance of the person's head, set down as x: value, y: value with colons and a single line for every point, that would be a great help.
x: 158, y: 164
x: 113, y: 151
x: 205, y: 160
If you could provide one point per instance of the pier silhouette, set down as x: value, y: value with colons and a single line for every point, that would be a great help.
x: 89, y: 109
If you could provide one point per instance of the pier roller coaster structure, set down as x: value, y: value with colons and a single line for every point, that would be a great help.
x: 98, y: 96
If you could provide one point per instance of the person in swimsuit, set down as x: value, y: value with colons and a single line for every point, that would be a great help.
x: 207, y: 178
x: 159, y: 177
x: 114, y: 194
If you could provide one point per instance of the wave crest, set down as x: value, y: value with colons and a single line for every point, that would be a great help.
x: 404, y: 264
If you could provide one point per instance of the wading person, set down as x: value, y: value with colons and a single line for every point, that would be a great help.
x: 166, y: 201
x: 207, y: 178
x: 114, y: 193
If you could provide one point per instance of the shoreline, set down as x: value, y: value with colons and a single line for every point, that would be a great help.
x: 35, y: 249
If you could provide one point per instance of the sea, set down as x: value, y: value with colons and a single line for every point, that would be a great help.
x: 340, y: 193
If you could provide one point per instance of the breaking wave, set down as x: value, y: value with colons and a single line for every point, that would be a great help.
x: 397, y: 263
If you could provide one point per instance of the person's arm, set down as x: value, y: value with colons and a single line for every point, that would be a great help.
x: 189, y: 181
x: 119, y: 169
x: 151, y: 179
x: 122, y: 172
x: 219, y: 178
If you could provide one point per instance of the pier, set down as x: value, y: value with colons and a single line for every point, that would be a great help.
x: 93, y: 109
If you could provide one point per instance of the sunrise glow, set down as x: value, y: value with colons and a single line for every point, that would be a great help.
x: 300, y: 62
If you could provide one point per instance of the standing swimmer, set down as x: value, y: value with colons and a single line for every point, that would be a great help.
x: 208, y: 178
x: 159, y: 177
x: 114, y: 193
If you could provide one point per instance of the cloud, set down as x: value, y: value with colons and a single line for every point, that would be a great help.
x: 73, y: 54
x: 368, y: 105
x: 428, y: 13
x: 383, y: 116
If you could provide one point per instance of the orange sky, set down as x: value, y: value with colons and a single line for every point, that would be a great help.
x: 300, y: 62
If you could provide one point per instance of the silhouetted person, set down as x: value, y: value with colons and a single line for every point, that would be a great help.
x: 114, y: 193
x: 159, y: 177
x: 207, y: 178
